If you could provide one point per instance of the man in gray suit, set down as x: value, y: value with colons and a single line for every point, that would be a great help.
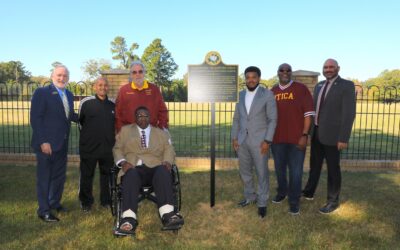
x: 335, y: 104
x: 253, y: 129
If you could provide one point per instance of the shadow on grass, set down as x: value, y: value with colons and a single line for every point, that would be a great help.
x: 368, y: 216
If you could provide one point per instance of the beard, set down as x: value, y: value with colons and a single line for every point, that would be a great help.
x: 253, y: 88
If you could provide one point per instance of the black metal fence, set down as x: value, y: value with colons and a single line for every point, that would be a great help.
x: 375, y: 136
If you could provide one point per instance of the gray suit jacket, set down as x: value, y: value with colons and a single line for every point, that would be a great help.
x: 261, y: 121
x: 338, y: 112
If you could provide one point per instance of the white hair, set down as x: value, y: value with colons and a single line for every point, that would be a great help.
x: 59, y: 66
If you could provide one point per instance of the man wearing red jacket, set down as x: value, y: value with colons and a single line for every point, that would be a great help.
x: 139, y: 92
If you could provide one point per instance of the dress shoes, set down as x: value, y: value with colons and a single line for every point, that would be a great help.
x: 308, y: 197
x: 245, y: 202
x: 278, y: 199
x: 328, y: 208
x: 86, y: 208
x: 262, y: 212
x: 48, y: 218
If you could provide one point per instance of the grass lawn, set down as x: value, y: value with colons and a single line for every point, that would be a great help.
x: 367, y: 219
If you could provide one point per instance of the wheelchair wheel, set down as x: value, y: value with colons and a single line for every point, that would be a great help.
x: 176, y: 189
x: 113, y: 189
x: 114, y: 202
x: 117, y: 212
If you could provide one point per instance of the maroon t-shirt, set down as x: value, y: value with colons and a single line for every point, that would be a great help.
x: 294, y: 102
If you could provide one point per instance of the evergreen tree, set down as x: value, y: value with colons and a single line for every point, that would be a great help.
x: 160, y: 65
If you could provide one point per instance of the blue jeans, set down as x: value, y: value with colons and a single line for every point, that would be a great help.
x: 288, y: 155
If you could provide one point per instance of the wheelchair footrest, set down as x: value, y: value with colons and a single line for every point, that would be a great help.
x: 171, y: 228
x: 119, y: 232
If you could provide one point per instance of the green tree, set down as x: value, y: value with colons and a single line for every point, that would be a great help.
x: 386, y: 86
x: 121, y: 52
x: 388, y: 78
x: 266, y: 83
x: 160, y: 65
x: 92, y: 68
x: 13, y: 71
x: 269, y: 83
x: 177, y: 92
x: 40, y: 79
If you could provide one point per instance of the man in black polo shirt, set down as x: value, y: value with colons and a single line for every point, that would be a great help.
x: 97, y: 138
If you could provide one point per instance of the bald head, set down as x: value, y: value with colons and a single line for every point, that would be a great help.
x: 331, y: 61
x: 331, y: 69
x: 284, y: 73
x: 101, y: 87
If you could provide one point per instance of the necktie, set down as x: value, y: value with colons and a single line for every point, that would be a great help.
x: 143, y: 139
x: 65, y: 104
x: 323, y: 97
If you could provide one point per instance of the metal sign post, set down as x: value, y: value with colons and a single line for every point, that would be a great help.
x: 212, y: 156
x: 212, y: 82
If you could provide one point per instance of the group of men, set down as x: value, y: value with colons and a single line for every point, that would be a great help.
x: 132, y: 133
x: 283, y: 119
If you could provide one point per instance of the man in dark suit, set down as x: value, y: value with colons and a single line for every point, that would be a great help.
x: 145, y: 155
x: 335, y: 103
x: 51, y: 114
x: 253, y: 128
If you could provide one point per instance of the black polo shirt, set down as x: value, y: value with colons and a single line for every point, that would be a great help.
x: 97, y: 130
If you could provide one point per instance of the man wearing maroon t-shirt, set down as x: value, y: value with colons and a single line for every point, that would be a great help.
x: 295, y: 110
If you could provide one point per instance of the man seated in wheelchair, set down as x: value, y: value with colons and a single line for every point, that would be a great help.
x: 145, y: 155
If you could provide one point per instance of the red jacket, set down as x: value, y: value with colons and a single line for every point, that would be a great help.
x: 128, y: 100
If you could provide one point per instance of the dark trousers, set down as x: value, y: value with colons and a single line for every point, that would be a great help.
x: 87, y: 170
x: 159, y: 177
x: 319, y: 152
x: 50, y: 179
x: 287, y: 155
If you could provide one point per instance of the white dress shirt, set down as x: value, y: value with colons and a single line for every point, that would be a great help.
x: 249, y: 97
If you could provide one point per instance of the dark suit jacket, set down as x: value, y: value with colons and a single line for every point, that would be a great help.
x: 48, y: 120
x: 337, y: 113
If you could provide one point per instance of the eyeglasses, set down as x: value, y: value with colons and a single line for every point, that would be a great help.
x: 142, y: 116
x: 285, y: 70
x: 137, y: 72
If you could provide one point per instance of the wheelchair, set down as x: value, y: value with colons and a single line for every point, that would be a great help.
x: 146, y: 192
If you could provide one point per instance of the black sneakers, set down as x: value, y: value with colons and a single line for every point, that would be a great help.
x: 245, y: 202
x: 278, y: 199
x: 294, y: 209
x: 308, y: 196
x: 172, y: 221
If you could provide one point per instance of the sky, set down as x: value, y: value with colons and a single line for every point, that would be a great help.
x: 363, y: 36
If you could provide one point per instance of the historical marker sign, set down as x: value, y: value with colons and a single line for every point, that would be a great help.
x: 213, y: 81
